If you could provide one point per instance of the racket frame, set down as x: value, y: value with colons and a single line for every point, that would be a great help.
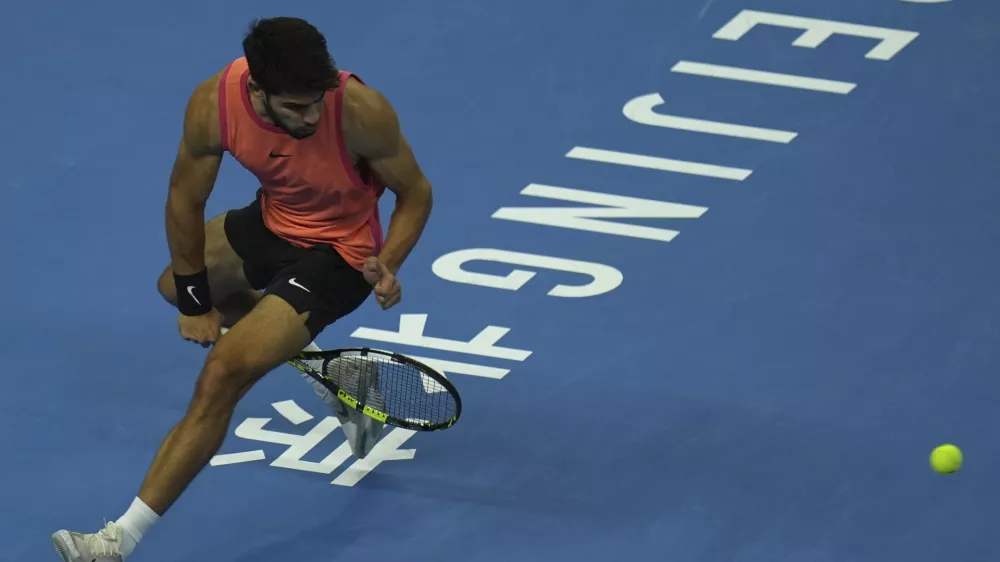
x: 350, y: 401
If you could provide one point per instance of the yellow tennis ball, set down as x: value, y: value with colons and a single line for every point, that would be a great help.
x: 946, y: 459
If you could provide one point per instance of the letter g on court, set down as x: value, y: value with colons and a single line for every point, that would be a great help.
x: 603, y: 278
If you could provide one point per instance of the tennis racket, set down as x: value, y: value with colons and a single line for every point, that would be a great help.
x: 389, y: 387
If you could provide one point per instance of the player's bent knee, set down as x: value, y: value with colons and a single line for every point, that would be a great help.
x: 221, y: 385
x: 165, y: 286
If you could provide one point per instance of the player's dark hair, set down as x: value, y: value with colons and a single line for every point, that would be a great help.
x: 289, y: 56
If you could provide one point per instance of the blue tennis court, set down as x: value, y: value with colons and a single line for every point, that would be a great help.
x: 758, y: 284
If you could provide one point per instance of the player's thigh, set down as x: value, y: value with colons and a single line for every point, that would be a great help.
x: 225, y: 267
x: 321, y: 283
x: 270, y: 334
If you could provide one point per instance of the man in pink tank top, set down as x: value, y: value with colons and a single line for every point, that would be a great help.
x: 305, y: 252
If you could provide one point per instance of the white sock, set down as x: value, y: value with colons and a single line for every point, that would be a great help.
x: 312, y: 347
x: 136, y: 522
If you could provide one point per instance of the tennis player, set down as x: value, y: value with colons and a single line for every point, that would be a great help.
x: 305, y: 252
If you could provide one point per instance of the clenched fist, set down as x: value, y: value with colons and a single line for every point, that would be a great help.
x: 203, y: 329
x: 387, y: 289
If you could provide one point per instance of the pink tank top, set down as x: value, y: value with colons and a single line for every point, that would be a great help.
x: 311, y: 194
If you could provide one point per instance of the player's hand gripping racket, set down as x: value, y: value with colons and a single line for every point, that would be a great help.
x: 389, y: 387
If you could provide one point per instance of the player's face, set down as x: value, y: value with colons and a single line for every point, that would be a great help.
x: 298, y: 115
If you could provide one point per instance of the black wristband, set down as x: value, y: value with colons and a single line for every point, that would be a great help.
x: 194, y: 297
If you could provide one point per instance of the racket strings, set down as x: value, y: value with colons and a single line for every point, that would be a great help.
x: 400, y: 390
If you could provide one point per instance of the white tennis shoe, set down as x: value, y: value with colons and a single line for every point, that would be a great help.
x: 103, y: 546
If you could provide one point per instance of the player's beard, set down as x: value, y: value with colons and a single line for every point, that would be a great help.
x: 298, y: 135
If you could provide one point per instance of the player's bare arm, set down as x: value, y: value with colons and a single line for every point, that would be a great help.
x: 372, y: 132
x: 192, y: 179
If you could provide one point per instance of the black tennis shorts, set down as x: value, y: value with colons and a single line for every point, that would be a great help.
x: 316, y: 279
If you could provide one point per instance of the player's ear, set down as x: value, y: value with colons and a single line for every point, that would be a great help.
x: 253, y: 87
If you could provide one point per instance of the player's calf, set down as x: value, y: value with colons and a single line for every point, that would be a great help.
x: 199, y: 434
x: 223, y: 381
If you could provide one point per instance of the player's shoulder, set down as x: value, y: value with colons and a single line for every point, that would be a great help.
x: 201, y: 117
x: 371, y: 124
